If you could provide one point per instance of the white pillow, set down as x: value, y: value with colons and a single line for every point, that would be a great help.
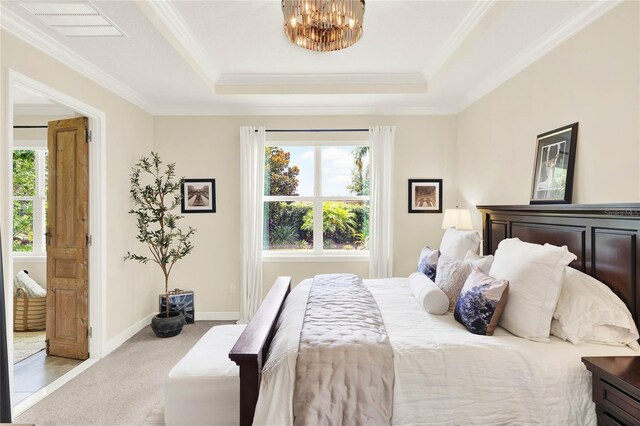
x: 535, y: 274
x: 588, y: 311
x: 482, y: 262
x: 25, y: 282
x: 455, y: 243
x: 451, y: 276
x: 429, y: 295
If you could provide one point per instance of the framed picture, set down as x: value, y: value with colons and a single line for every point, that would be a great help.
x: 425, y: 195
x: 554, y: 164
x: 198, y: 196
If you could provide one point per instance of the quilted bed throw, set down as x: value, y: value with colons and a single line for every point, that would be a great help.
x: 344, y: 369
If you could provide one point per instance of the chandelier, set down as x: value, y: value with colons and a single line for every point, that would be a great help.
x: 323, y: 25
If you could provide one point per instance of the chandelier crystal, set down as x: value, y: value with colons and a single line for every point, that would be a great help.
x: 323, y: 25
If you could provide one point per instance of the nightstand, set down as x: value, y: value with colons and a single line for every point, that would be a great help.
x: 616, y: 388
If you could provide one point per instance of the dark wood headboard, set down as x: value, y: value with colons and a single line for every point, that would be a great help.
x: 604, y: 237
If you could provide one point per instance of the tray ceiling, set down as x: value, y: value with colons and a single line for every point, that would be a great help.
x: 231, y: 57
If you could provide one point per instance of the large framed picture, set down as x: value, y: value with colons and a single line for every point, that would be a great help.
x: 554, y: 164
x: 198, y: 196
x: 425, y: 195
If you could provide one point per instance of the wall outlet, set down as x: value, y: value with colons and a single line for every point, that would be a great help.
x: 233, y: 289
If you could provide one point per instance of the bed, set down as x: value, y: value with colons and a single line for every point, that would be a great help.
x: 437, y: 362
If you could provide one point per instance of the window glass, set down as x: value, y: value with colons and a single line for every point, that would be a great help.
x: 289, y: 171
x: 288, y: 225
x: 22, y: 226
x: 30, y: 204
x: 24, y: 173
x: 345, y: 170
x: 345, y: 225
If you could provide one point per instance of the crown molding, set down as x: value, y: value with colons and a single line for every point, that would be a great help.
x: 328, y: 79
x: 459, y: 35
x: 166, y: 18
x: 32, y: 35
x: 299, y: 111
x: 271, y: 84
x: 540, y: 48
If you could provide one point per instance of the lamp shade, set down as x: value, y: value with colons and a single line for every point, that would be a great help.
x: 457, y: 218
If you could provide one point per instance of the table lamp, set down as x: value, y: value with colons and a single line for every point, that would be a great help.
x: 457, y: 218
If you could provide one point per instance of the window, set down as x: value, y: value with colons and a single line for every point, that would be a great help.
x: 29, y: 199
x: 316, y: 199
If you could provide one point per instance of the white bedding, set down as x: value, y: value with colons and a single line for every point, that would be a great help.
x: 446, y: 375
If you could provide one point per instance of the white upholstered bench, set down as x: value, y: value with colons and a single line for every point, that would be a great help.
x: 204, y: 387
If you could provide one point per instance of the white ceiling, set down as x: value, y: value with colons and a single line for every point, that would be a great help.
x: 231, y: 57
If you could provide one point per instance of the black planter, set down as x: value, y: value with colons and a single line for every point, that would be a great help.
x: 167, y: 327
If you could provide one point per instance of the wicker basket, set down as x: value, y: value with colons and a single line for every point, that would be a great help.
x: 29, y: 314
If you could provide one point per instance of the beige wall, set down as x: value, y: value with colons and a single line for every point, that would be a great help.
x: 209, y: 147
x: 592, y: 78
x: 130, y: 290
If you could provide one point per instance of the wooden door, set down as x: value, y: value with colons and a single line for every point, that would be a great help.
x: 67, y: 239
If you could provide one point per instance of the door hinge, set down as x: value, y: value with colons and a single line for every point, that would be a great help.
x: 89, y: 136
x: 90, y: 332
x: 89, y: 240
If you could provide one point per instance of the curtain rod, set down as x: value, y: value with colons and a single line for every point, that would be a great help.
x: 30, y: 127
x: 313, y: 130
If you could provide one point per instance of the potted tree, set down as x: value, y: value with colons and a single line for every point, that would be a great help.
x: 156, y: 193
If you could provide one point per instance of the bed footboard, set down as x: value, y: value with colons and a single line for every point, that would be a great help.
x: 252, y: 347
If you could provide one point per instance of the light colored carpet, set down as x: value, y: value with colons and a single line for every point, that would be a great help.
x: 156, y: 416
x: 124, y: 388
x: 27, y: 343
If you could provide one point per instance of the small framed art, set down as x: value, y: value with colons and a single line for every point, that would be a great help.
x: 425, y: 195
x: 198, y: 196
x: 554, y: 164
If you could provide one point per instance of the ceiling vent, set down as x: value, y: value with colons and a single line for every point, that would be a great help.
x: 74, y: 19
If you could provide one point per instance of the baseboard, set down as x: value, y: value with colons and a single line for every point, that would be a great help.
x: 217, y: 316
x: 115, y: 342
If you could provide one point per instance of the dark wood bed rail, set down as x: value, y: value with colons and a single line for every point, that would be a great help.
x: 604, y: 237
x: 252, y: 347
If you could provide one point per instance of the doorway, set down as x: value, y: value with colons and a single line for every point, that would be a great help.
x: 32, y: 105
x: 50, y: 182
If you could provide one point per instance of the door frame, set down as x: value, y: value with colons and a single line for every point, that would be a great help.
x: 97, y: 205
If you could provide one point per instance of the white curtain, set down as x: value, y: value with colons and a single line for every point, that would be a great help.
x: 252, y: 142
x: 381, y: 142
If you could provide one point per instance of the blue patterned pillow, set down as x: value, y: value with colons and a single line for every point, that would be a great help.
x: 481, y: 302
x: 428, y: 262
